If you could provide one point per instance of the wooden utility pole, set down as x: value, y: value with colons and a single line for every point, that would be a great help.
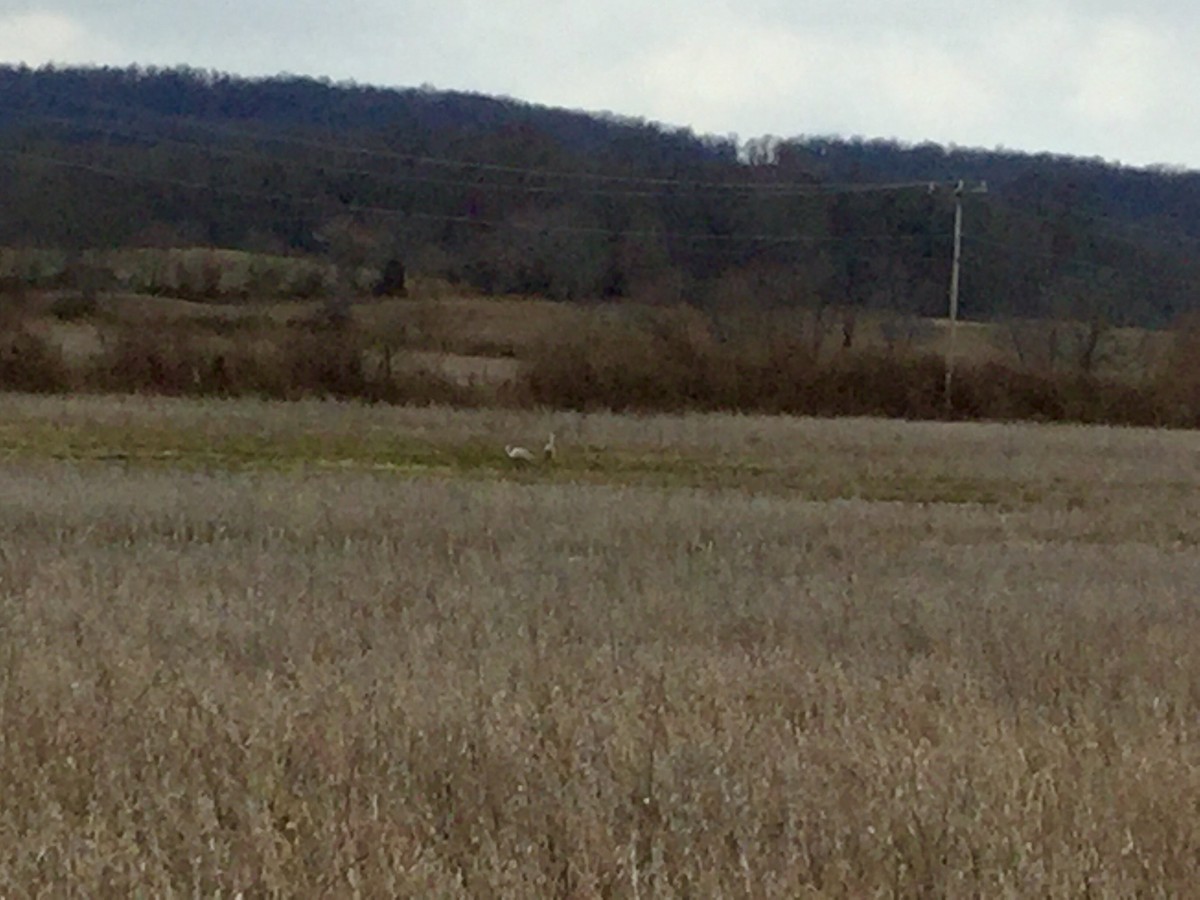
x: 955, y: 272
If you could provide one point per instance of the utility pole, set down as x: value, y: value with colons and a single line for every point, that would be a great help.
x: 955, y: 271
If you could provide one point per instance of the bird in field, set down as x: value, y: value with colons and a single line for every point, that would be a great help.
x: 519, y: 455
x: 549, y: 451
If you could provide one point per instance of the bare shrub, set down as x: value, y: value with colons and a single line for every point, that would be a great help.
x: 334, y: 315
x: 1179, y: 381
x: 661, y: 365
x: 298, y: 362
x: 879, y: 384
x: 15, y: 301
x: 199, y: 276
x: 665, y: 367
x: 143, y: 361
x: 995, y: 391
x: 330, y: 365
x: 393, y: 279
x: 72, y: 306
x: 654, y: 365
x: 28, y: 362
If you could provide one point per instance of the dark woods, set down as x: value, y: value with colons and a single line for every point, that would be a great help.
x: 510, y: 197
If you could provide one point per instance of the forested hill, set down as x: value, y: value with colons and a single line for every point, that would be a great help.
x: 515, y: 197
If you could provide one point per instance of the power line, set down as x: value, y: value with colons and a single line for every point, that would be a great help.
x: 1120, y: 233
x: 384, y: 177
x: 1037, y: 254
x: 366, y: 209
x: 782, y: 188
x: 1172, y: 283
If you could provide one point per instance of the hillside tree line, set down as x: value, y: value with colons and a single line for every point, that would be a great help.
x: 511, y: 197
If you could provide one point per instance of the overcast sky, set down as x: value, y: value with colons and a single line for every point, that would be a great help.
x: 1096, y: 78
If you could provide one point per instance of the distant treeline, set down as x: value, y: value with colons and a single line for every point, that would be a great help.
x: 511, y: 197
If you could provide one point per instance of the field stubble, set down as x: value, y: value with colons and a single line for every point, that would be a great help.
x: 705, y: 656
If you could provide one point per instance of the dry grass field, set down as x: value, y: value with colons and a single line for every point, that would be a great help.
x: 332, y: 650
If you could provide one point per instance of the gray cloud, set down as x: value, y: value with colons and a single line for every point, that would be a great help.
x: 1096, y: 78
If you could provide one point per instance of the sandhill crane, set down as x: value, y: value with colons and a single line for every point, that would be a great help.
x: 519, y: 455
x: 549, y: 451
